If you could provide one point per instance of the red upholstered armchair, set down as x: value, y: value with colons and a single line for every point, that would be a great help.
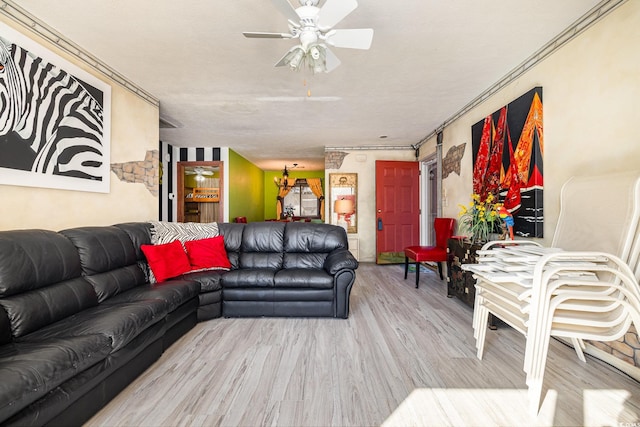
x: 438, y: 253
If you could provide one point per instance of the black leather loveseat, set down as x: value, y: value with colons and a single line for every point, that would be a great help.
x: 79, y: 319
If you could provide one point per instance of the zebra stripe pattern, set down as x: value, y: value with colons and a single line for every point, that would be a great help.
x: 52, y: 113
x: 166, y: 232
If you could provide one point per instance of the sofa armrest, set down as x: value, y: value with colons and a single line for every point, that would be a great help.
x: 340, y: 259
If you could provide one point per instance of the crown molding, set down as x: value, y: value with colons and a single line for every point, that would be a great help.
x: 38, y: 27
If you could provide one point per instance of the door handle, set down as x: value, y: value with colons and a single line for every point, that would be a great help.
x: 379, y: 224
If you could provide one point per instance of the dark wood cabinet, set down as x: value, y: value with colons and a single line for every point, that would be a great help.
x: 461, y: 284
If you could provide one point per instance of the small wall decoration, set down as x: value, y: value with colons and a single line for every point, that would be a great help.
x: 453, y: 158
x: 54, y: 119
x: 508, y: 149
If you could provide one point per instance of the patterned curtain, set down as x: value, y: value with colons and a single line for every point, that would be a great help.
x: 281, y: 195
x: 315, y: 184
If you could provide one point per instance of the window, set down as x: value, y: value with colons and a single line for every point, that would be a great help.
x: 301, y: 202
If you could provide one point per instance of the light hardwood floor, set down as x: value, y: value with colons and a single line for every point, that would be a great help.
x: 405, y: 357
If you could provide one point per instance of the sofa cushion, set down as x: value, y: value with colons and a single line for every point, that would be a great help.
x: 261, y: 260
x: 172, y: 293
x: 207, y: 254
x: 32, y: 310
x: 249, y: 278
x: 109, y: 259
x: 166, y: 260
x: 232, y: 233
x: 263, y: 237
x: 308, y: 245
x: 314, y: 238
x: 139, y: 233
x: 38, y: 258
x: 102, y: 248
x: 262, y: 245
x: 303, y: 278
x: 304, y: 260
x: 31, y: 369
x: 120, y: 322
x: 209, y: 281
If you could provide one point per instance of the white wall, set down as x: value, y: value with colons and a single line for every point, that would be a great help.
x: 591, y: 91
x: 134, y: 131
x: 363, y: 162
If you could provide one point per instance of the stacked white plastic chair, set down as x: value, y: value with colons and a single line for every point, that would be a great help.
x: 584, y: 287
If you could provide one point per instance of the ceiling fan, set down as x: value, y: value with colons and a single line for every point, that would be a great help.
x: 199, y: 173
x: 313, y: 27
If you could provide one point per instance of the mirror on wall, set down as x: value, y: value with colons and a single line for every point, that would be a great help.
x: 200, y: 192
x: 343, y: 188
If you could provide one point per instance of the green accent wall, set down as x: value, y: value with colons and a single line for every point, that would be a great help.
x: 246, y: 189
x: 252, y: 192
x: 271, y: 190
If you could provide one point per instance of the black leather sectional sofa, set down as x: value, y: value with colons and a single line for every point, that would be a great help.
x: 79, y: 319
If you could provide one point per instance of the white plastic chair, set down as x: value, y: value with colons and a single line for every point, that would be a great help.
x: 597, y: 302
x: 533, y: 288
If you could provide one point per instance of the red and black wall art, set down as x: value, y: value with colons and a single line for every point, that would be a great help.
x: 508, y: 149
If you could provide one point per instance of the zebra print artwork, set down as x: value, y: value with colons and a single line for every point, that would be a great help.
x: 52, y: 123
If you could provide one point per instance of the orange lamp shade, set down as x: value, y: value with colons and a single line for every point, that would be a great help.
x: 343, y: 206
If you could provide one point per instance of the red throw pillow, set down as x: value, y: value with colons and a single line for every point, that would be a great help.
x: 207, y: 254
x: 167, y: 260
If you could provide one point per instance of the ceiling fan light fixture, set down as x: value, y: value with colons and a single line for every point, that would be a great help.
x: 294, y: 64
x: 315, y: 52
x: 310, y: 25
x: 319, y: 68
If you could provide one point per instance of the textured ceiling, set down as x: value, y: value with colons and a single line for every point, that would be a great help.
x: 428, y: 59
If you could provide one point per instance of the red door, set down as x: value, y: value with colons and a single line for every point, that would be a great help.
x: 397, y: 209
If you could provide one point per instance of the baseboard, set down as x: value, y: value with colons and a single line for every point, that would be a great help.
x: 627, y: 368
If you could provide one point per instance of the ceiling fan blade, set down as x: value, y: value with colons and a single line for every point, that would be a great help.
x: 286, y: 9
x: 255, y: 35
x: 334, y: 11
x: 332, y: 61
x: 353, y: 39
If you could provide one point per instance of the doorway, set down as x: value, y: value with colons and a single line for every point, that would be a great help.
x: 200, y: 195
x: 430, y: 184
x: 397, y: 209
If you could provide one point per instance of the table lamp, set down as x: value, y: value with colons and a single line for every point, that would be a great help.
x: 343, y: 207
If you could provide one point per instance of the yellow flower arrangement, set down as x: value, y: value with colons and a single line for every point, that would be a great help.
x: 480, y: 218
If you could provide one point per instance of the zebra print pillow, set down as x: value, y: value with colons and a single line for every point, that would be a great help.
x: 166, y: 232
